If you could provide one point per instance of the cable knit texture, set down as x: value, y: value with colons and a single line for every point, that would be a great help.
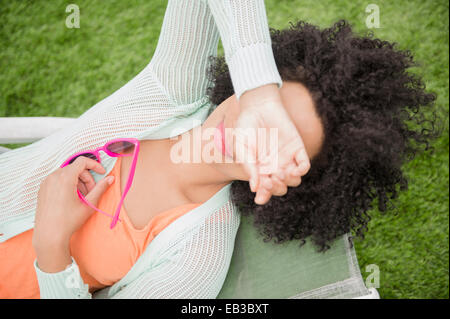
x: 190, y: 258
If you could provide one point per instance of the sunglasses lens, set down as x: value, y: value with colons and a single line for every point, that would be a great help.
x: 88, y: 155
x: 122, y: 147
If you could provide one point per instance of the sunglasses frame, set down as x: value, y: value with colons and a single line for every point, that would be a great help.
x: 96, y: 153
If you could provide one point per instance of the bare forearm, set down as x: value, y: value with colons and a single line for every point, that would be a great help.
x: 54, y: 257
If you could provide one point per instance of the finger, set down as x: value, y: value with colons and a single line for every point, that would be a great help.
x: 291, y: 179
x: 268, y: 159
x: 94, y: 195
x: 250, y: 166
x: 266, y: 182
x: 82, y: 163
x: 87, y: 180
x: 280, y: 174
x: 279, y: 188
x: 246, y: 154
x: 263, y: 192
x: 252, y: 172
x: 82, y: 187
x: 303, y: 163
x: 262, y: 196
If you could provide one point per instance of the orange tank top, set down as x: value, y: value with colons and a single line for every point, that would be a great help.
x: 103, y: 255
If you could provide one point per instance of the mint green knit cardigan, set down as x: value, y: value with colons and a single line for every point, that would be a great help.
x: 189, y: 258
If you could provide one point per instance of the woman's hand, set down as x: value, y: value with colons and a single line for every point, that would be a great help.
x: 270, y: 170
x: 60, y: 213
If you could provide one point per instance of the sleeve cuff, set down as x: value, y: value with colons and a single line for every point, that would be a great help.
x: 253, y: 66
x: 66, y: 284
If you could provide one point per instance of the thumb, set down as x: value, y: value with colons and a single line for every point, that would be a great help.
x: 246, y: 154
x: 98, y: 190
x: 251, y: 168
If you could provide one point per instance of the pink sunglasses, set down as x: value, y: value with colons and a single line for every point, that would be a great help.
x: 115, y: 148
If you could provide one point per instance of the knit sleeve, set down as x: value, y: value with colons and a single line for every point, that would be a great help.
x: 193, y: 266
x: 188, y: 37
x: 66, y: 284
x: 245, y: 35
x: 190, y: 34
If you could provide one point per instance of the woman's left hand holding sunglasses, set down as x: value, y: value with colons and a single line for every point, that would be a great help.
x: 59, y: 212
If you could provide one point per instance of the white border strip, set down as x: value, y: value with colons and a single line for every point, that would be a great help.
x: 373, y: 294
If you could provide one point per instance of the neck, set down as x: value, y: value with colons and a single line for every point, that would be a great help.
x: 198, y: 162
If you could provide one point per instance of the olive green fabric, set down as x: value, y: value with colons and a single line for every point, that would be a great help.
x: 268, y: 270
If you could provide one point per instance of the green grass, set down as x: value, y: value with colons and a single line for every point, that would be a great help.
x: 50, y: 70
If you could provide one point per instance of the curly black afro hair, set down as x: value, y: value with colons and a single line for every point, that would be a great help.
x: 375, y: 119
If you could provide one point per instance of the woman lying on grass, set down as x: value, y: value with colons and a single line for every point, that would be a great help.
x: 360, y: 113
